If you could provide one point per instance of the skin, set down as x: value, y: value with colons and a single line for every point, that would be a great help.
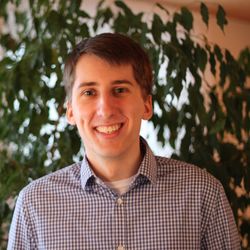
x: 107, y: 107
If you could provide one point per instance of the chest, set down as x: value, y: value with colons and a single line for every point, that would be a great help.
x: 141, y: 219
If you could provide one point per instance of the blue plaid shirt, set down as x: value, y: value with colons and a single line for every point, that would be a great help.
x: 170, y: 205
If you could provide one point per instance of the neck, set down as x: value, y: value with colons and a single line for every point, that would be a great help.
x: 116, y: 168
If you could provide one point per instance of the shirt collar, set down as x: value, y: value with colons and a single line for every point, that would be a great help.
x: 148, y: 167
x: 86, y: 173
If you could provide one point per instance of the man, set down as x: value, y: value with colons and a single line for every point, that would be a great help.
x: 120, y: 196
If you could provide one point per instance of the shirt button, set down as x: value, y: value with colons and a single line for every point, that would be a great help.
x: 120, y: 247
x: 119, y: 202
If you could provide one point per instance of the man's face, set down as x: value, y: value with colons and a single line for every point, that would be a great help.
x: 107, y: 107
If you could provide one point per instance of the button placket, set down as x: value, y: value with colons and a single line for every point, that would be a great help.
x: 121, y: 226
x: 119, y: 201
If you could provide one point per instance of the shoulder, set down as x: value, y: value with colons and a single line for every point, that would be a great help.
x: 186, y: 174
x: 62, y: 180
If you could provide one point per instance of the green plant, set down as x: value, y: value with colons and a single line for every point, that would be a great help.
x: 34, y: 137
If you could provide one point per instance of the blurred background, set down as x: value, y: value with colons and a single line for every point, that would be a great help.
x: 200, y: 52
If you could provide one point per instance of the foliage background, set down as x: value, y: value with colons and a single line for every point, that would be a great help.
x: 212, y: 128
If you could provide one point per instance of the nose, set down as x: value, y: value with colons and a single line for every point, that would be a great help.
x: 106, y: 106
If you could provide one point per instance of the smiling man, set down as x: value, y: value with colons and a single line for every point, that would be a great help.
x: 107, y: 106
x: 121, y: 196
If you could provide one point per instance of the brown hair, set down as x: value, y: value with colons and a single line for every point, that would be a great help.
x: 116, y: 49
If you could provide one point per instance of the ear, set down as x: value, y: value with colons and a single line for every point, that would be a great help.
x: 148, y: 109
x: 69, y: 114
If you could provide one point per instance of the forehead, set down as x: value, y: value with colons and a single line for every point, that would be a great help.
x: 91, y: 67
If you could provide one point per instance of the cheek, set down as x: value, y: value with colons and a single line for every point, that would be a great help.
x: 80, y: 116
x: 136, y: 113
x: 139, y: 108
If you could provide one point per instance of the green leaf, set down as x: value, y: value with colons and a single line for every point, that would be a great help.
x: 3, y: 4
x: 204, y: 13
x: 177, y: 86
x: 218, y: 126
x: 103, y: 16
x: 244, y: 60
x: 186, y: 18
x: 157, y: 27
x: 201, y: 58
x: 218, y: 53
x: 125, y: 8
x: 84, y: 30
x: 74, y: 6
x: 229, y: 57
x: 99, y: 5
x: 162, y: 8
x: 83, y: 14
x: 55, y: 22
x: 223, y: 73
x: 212, y: 63
x: 221, y: 17
x: 120, y: 24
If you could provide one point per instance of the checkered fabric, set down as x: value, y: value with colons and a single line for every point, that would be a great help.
x: 170, y: 205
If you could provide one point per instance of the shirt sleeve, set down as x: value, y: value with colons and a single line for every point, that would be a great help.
x: 221, y: 231
x: 20, y: 230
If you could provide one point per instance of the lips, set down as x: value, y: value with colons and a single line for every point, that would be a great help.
x: 109, y: 129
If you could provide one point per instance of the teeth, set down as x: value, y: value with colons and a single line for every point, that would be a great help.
x: 108, y: 129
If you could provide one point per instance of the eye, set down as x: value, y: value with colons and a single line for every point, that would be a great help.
x: 88, y: 92
x: 120, y: 90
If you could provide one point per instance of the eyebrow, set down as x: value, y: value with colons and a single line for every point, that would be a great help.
x: 122, y: 81
x: 86, y: 84
x: 89, y: 84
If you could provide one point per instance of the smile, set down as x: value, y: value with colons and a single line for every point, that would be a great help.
x: 109, y: 129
